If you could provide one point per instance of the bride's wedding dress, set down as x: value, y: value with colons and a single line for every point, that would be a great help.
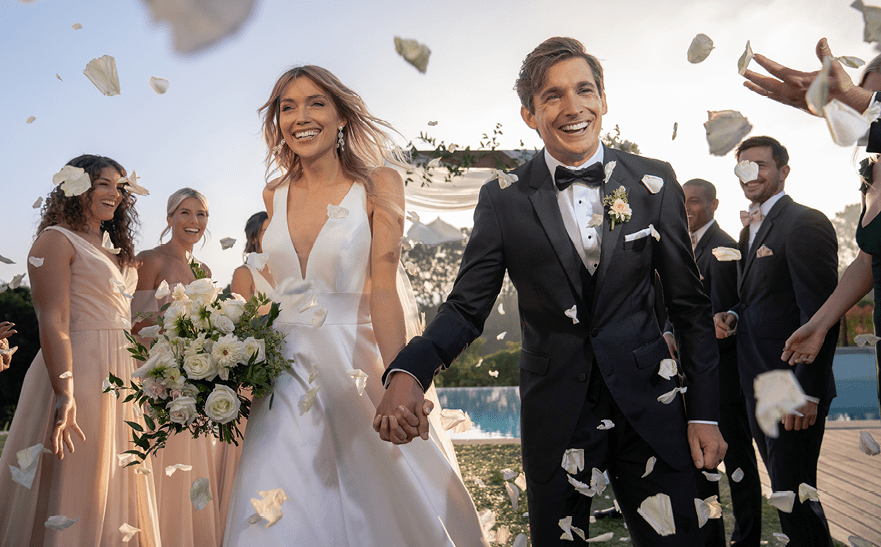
x: 345, y: 486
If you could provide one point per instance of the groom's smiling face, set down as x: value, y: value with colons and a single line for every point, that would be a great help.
x: 569, y: 110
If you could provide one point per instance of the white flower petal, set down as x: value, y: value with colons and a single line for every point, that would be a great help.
x: 59, y: 77
x: 455, y: 419
x: 726, y: 254
x: 712, y: 477
x: 406, y: 243
x: 655, y: 233
x: 514, y: 493
x: 16, y: 281
x: 501, y: 308
x: 653, y: 183
x: 37, y: 203
x: 143, y: 470
x: 195, y: 24
x: 34, y: 261
x: 132, y: 182
x: 868, y: 444
x: 313, y: 374
x: 129, y: 531
x: 413, y: 217
x: 200, y: 493
x: 107, y: 243
x: 159, y: 85
x: 59, y: 522
x: 807, y: 492
x: 319, y: 316
x: 572, y: 313
x: 725, y: 130
x: 336, y: 212
x: 119, y: 287
x: 668, y: 369
x: 269, y: 508
x: 432, y: 123
x: 178, y: 466
x: 102, y: 73
x: 505, y: 179
x: 658, y: 512
x: 308, y: 399
x: 31, y: 119
x: 521, y: 541
x: 852, y: 62
x: 777, y: 393
x: 501, y: 335
x: 411, y: 267
x: 73, y: 180
x: 308, y: 304
x: 360, y: 378
x: 5, y: 260
x: 606, y: 425
x: 747, y: 170
x: 479, y: 362
x: 493, y: 373
x: 700, y: 48
x: 573, y: 460
x: 782, y: 539
x: 125, y: 459
x: 783, y: 501
x: 649, y: 466
x: 675, y: 130
x: 227, y: 243
x: 520, y: 481
x: 76, y: 26
x: 744, y: 60
x: 866, y: 340
x: 608, y: 168
x: 566, y: 525
x: 413, y: 52
x: 65, y: 374
x: 872, y: 20
x: 433, y: 163
x: 580, y: 487
x: 670, y: 396
x: 257, y: 260
x: 595, y: 220
x: 845, y: 124
x: 608, y: 536
x: 709, y: 508
x: 737, y: 476
x: 818, y: 92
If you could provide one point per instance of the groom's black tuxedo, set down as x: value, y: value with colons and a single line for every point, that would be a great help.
x: 520, y: 230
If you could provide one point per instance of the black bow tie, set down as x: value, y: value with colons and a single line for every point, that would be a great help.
x: 592, y: 176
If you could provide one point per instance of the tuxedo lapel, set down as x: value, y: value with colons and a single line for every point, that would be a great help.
x: 544, y: 202
x: 704, y: 241
x: 767, y: 225
x: 743, y: 247
x: 611, y: 238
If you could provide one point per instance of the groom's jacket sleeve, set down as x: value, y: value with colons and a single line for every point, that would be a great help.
x: 461, y: 318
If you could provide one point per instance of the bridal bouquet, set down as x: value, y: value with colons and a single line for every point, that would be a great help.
x: 206, y: 349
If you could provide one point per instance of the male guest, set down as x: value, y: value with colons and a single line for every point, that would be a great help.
x: 720, y: 284
x: 583, y: 265
x: 787, y: 270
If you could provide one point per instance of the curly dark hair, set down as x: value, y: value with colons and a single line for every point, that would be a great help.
x: 73, y: 211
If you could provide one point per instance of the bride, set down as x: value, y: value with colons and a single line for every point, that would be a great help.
x: 336, y: 221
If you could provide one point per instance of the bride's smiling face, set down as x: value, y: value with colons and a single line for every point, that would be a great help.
x: 308, y: 119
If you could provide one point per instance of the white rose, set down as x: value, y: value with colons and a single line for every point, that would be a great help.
x: 200, y: 367
x: 189, y: 390
x: 233, y: 308
x: 223, y: 323
x: 252, y: 346
x: 182, y: 410
x: 222, y: 405
x: 203, y: 290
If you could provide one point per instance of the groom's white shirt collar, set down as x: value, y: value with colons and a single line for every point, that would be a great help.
x: 553, y: 162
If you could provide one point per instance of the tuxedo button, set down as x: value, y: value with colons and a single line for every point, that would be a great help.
x: 582, y: 376
x: 594, y: 332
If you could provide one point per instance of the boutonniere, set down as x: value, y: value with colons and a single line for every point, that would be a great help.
x: 619, y: 209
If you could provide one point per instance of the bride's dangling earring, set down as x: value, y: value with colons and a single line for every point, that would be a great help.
x: 340, y: 142
x: 276, y: 150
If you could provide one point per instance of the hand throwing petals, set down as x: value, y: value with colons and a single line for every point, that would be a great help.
x: 59, y: 522
x: 649, y: 466
x: 269, y: 508
x: 668, y: 369
x: 868, y: 444
x: 227, y: 243
x: 700, y: 48
x: 653, y: 183
x: 102, y: 73
x: 777, y: 393
x: 129, y: 531
x: 572, y: 313
x: 744, y: 60
x: 782, y: 500
x: 178, y: 466
x: 726, y: 254
x: 725, y: 130
x: 658, y: 512
x: 200, y: 493
x: 360, y: 378
x: 747, y: 170
x: 573, y: 460
x: 807, y: 492
x: 159, y: 85
x: 413, y: 52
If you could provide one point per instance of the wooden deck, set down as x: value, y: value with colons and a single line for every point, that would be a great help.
x: 849, y: 481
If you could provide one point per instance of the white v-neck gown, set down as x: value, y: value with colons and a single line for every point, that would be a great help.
x: 345, y: 486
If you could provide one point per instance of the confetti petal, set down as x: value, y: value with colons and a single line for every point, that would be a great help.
x: 573, y: 460
x: 605, y: 425
x: 76, y: 26
x: 700, y: 48
x: 102, y: 73
x: 59, y: 77
x: 493, y: 373
x: 649, y: 466
x: 872, y: 20
x: 653, y: 183
x: 360, y: 378
x: 520, y: 481
x: 411, y: 267
x: 143, y: 470
x: 258, y: 260
x: 852, y: 62
x: 514, y: 493
x: 608, y: 536
x: 227, y: 243
x: 37, y: 203
x: 572, y: 313
x: 777, y: 393
x: 159, y: 85
x: 807, y: 492
x: 655, y: 233
x: 783, y: 501
x: 413, y: 52
x: 501, y: 309
x: 178, y: 466
x: 595, y: 220
x: 744, y: 60
x: 658, y: 512
x: 336, y: 212
x: 200, y: 493
x: 521, y: 541
x: 132, y: 182
x: 413, y: 217
x: 119, y: 287
x: 675, y: 130
x: 566, y: 525
x: 308, y: 399
x: 501, y: 335
x: 667, y: 369
x: 125, y: 459
x: 5, y: 260
x: 846, y: 124
x: 747, y: 170
x: 726, y: 254
x: 66, y: 374
x: 432, y: 123
x: 308, y: 304
x: 868, y: 444
x: 162, y: 290
x: 129, y: 531
x: 73, y: 180
x: 31, y: 119
x: 725, y: 130
x: 782, y: 539
x: 818, y: 92
x: 608, y: 168
x: 737, y: 476
x: 456, y: 420
x: 107, y: 243
x: 16, y: 281
x: 319, y: 316
x: 407, y: 243
x: 709, y: 508
x: 712, y: 477
x: 670, y: 396
x: 59, y: 522
x: 505, y: 179
x: 269, y: 508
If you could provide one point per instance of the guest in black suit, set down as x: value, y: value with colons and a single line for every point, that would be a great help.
x: 591, y: 341
x: 720, y: 284
x: 789, y: 267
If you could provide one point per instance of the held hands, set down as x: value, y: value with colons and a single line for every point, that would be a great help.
x: 707, y: 445
x: 808, y: 418
x: 65, y: 422
x: 402, y: 414
x: 726, y: 324
x: 804, y: 344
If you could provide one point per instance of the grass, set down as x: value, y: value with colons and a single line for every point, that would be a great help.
x: 486, y: 462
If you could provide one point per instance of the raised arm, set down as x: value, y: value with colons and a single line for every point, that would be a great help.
x: 50, y: 287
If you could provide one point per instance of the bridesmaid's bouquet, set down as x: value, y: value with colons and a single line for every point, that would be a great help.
x: 206, y: 350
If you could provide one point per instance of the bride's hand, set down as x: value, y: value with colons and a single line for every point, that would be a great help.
x: 402, y: 414
x: 65, y: 423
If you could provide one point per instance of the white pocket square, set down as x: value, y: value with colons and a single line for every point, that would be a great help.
x: 653, y: 183
x: 638, y: 235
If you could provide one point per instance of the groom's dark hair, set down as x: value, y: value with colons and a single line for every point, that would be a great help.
x: 546, y: 55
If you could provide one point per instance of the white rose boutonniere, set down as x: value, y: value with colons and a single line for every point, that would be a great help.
x: 222, y: 405
x: 619, y: 209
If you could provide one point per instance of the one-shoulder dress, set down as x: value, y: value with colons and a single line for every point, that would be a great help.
x: 345, y: 486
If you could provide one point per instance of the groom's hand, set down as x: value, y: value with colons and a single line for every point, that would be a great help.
x: 707, y: 445
x: 401, y: 415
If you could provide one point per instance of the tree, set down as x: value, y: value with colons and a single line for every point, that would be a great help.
x: 845, y: 224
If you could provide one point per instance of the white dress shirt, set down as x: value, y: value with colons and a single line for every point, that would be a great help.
x: 699, y: 233
x: 766, y: 208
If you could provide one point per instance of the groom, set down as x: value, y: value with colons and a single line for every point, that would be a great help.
x: 592, y: 346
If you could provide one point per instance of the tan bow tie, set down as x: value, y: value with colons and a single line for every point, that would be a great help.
x: 693, y: 241
x: 752, y: 217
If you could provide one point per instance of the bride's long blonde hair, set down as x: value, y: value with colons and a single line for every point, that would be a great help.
x: 367, y: 141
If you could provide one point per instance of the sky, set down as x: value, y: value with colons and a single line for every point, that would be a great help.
x: 205, y: 131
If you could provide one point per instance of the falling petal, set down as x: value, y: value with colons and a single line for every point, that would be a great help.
x: 406, y: 243
x: 852, y: 62
x: 159, y: 85
x: 74, y: 180
x: 479, y: 482
x: 487, y: 519
x: 670, y: 396
x: 782, y: 539
x: 866, y: 340
x: 29, y: 457
x: 24, y: 477
x: 433, y: 163
x: 125, y: 459
x: 868, y: 444
x: 608, y: 168
x: 807, y: 492
x: 413, y: 217
x: 308, y: 399
x: 38, y: 203
x: 413, y: 52
x: 658, y: 512
x: 513, y: 493
x: 455, y: 419
x: 132, y: 182
x: 432, y: 123
x: 520, y: 481
x: 654, y: 232
x: 777, y: 393
x: 744, y: 60
x: 872, y: 20
x: 411, y: 267
x: 319, y: 316
x: 200, y: 493
x: 737, y: 476
x: 31, y: 119
x: 857, y: 541
x: 162, y: 290
x: 712, y: 477
x: 119, y: 287
x: 501, y: 309
x: 257, y: 260
x: 59, y: 77
x: 178, y: 466
x: 269, y: 508
x: 566, y: 525
x: 107, y: 243
x: 313, y: 374
x: 102, y: 73
x: 726, y: 254
x: 129, y: 531
x: 479, y: 362
x: 501, y: 335
x: 336, y: 212
x: 196, y: 25
x: 818, y: 92
x: 608, y: 536
x: 783, y: 501
x: 846, y: 124
x: 606, y: 425
x: 649, y: 466
x: 747, y: 170
x: 143, y: 470
x: 573, y: 460
x: 653, y: 183
x: 709, y: 508
x: 572, y: 313
x: 360, y: 378
x: 59, y: 522
x: 581, y: 488
x: 521, y: 541
x: 5, y: 260
x: 668, y: 369
x: 725, y: 130
x: 65, y: 374
x: 700, y: 48
x: 595, y: 220
x: 308, y: 304
x: 227, y: 243
x: 493, y: 373
x: 76, y: 26
x: 675, y: 130
x: 505, y: 179
x: 504, y: 533
x: 16, y: 281
x: 150, y: 332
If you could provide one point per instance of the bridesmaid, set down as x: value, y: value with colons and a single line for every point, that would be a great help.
x: 254, y: 275
x: 179, y: 523
x: 80, y: 285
